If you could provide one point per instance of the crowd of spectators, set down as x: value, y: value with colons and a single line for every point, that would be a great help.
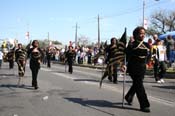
x: 84, y: 55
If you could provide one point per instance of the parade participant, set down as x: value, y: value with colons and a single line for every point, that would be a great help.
x: 137, y: 54
x: 44, y: 57
x: 70, y: 55
x: 111, y: 54
x: 10, y: 58
x: 48, y: 55
x: 20, y: 58
x: 159, y: 53
x: 112, y: 64
x: 35, y: 55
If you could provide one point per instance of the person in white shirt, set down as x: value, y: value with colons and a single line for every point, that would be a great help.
x: 1, y: 58
x: 161, y: 58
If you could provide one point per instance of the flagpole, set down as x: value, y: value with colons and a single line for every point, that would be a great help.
x: 124, y: 79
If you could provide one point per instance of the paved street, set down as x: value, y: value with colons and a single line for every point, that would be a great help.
x: 78, y: 94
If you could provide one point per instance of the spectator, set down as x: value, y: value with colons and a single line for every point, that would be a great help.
x: 1, y: 58
x: 154, y: 55
x: 150, y: 59
x: 161, y: 58
x: 170, y: 46
x: 89, y: 54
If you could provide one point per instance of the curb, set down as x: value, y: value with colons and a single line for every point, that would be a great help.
x: 168, y: 75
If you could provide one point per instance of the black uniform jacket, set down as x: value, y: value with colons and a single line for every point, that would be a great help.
x: 137, y: 54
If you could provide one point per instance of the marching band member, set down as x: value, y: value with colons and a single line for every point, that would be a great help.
x: 36, y: 55
x: 70, y: 56
x: 20, y: 58
x: 137, y: 54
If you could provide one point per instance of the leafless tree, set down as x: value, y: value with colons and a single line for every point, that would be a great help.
x: 161, y: 22
x: 83, y: 40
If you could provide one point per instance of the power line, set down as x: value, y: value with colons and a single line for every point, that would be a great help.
x: 128, y: 11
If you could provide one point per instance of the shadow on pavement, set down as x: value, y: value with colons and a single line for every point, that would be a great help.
x: 57, y: 71
x: 7, y: 75
x: 16, y: 86
x: 99, y: 103
x: 165, y: 87
x: 150, y: 82
x: 90, y: 80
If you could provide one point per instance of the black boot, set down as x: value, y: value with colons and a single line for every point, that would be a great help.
x: 36, y: 87
x: 129, y: 99
x: 110, y: 78
x: 115, y: 81
x: 146, y: 109
x: 33, y: 84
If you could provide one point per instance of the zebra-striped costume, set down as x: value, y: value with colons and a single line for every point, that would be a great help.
x: 20, y: 56
x: 117, y: 57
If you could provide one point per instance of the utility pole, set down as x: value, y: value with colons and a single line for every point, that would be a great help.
x: 144, y: 4
x: 98, y: 31
x: 76, y: 34
x: 27, y: 34
x: 48, y: 36
x: 143, y: 12
x: 76, y: 28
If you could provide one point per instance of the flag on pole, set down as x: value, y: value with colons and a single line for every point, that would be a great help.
x: 122, y: 47
x: 120, y: 53
x: 29, y: 45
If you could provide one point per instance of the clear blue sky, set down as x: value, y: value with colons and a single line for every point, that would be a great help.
x: 58, y: 17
